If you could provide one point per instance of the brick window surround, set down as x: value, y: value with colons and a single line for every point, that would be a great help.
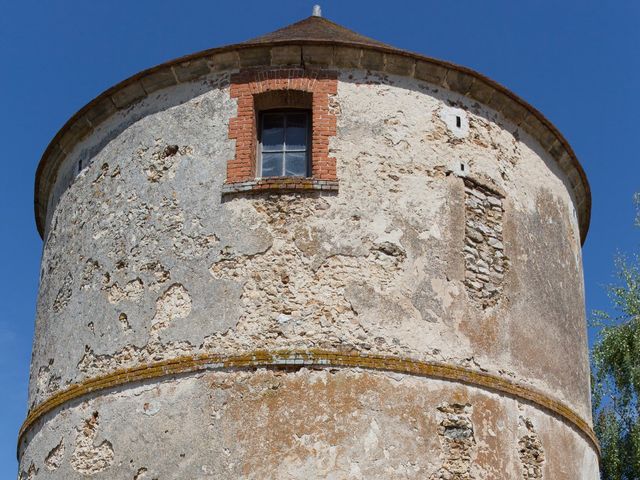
x: 261, y: 89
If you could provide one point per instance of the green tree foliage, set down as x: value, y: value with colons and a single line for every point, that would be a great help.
x: 616, y: 374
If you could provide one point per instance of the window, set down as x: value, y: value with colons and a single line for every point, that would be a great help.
x: 282, y: 130
x: 284, y: 144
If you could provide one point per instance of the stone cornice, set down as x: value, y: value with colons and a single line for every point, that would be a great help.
x: 312, y: 54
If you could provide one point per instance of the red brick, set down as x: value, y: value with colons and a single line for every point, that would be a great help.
x: 245, y: 84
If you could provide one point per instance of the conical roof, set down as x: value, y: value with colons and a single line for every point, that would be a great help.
x: 316, y: 29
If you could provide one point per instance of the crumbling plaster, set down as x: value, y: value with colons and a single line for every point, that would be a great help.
x: 339, y: 424
x: 376, y: 267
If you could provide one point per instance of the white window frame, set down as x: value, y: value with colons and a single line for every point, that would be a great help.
x: 307, y: 150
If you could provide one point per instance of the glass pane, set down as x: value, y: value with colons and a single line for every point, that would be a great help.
x: 296, y: 131
x: 271, y: 164
x: 296, y: 164
x: 272, y: 132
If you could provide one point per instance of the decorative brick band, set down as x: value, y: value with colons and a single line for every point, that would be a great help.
x: 312, y: 357
x: 248, y: 85
x: 280, y: 184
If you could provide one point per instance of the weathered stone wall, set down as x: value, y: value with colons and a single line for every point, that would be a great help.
x: 485, y: 262
x: 308, y: 424
x: 146, y: 260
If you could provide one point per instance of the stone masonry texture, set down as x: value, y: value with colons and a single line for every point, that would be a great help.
x: 155, y: 251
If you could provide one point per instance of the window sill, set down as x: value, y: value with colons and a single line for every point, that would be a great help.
x: 280, y: 185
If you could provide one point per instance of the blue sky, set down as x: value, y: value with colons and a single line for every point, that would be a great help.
x: 576, y: 61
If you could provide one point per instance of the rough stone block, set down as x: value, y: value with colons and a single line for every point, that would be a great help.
x: 158, y: 79
x: 191, y: 70
x: 100, y: 110
x: 557, y: 148
x: 516, y: 112
x: 76, y: 132
x: 430, y: 72
x: 481, y: 91
x: 255, y: 57
x: 56, y: 156
x: 483, y: 239
x: 534, y: 126
x: 458, y: 81
x: 128, y: 95
x: 564, y: 160
x: 372, y: 60
x: 511, y: 109
x: 539, y: 131
x: 580, y: 196
x: 317, y: 55
x: 399, y: 65
x: 574, y: 178
x: 224, y: 61
x: 347, y: 57
x: 286, y: 55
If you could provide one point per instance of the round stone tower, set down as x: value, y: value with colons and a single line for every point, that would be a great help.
x: 310, y: 256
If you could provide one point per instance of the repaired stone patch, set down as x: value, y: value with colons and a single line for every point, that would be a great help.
x: 299, y: 291
x: 174, y: 303
x: 485, y: 261
x: 64, y: 294
x: 91, y: 364
x: 87, y: 458
x: 164, y: 161
x: 55, y: 456
x: 161, y: 274
x: 140, y: 474
x: 132, y: 291
x: 530, y: 451
x: 91, y: 269
x: 124, y: 321
x: 47, y: 382
x: 458, y: 442
x: 30, y: 473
